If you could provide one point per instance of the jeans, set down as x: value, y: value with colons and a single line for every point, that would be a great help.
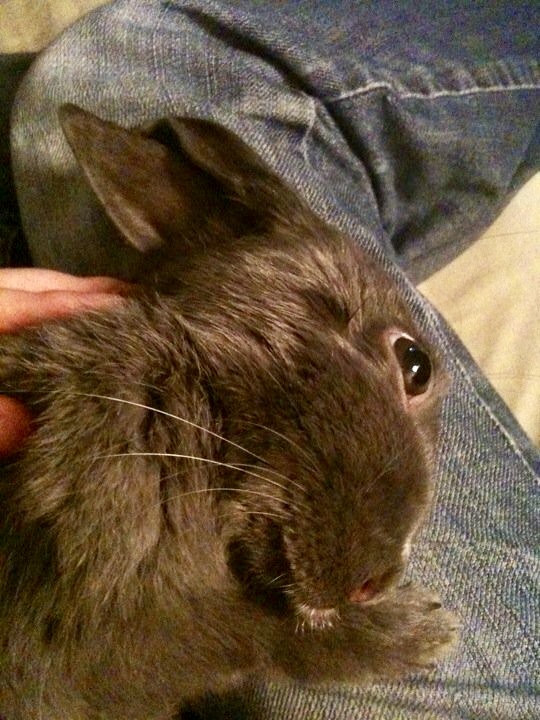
x: 407, y: 125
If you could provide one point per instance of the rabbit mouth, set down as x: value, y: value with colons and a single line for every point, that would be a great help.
x: 263, y: 569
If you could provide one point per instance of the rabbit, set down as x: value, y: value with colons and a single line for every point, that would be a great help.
x: 227, y: 469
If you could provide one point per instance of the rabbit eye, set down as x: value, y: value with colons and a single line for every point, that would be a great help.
x: 415, y: 365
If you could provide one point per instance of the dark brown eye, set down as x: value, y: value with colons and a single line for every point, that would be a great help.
x: 415, y: 365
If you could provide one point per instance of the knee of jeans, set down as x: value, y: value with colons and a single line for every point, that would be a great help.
x: 131, y: 63
x: 97, y: 63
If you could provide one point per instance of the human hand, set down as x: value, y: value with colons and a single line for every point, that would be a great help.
x: 29, y: 296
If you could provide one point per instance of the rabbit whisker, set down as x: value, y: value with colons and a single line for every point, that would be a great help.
x: 174, y: 417
x: 282, y: 436
x: 274, y: 580
x: 274, y: 472
x: 267, y: 514
x: 206, y: 460
x: 387, y: 466
x: 201, y: 491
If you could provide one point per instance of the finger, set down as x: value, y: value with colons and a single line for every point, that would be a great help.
x: 15, y: 425
x: 19, y: 308
x: 37, y: 280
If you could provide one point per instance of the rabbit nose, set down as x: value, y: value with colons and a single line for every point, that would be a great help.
x: 364, y: 592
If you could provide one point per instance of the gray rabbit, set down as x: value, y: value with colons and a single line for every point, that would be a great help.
x: 228, y: 470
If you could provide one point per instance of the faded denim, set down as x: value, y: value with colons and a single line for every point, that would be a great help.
x: 408, y: 125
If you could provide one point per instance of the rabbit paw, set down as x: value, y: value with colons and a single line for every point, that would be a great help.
x: 408, y: 629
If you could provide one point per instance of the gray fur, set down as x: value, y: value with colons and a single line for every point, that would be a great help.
x: 133, y: 580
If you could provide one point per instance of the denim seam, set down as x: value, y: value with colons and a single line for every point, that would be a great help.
x: 370, y: 87
x: 481, y: 402
x: 158, y: 72
x: 309, y: 129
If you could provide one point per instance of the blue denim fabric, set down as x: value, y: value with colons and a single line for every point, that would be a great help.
x: 407, y: 125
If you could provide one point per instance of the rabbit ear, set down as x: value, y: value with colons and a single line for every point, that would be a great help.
x: 226, y: 158
x: 179, y: 180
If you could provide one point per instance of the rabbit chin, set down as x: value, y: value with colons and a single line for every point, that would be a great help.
x: 316, y: 618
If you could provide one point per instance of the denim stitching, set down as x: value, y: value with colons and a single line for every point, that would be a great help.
x: 381, y: 85
x: 309, y: 129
